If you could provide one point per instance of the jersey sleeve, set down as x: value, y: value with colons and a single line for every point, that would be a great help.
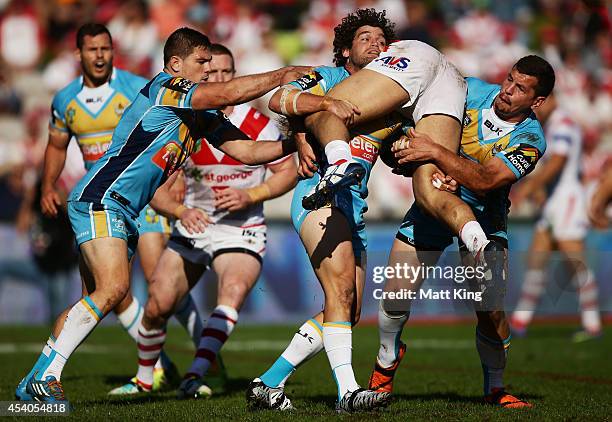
x: 318, y: 82
x: 58, y: 115
x: 216, y: 124
x: 176, y: 92
x: 523, y: 153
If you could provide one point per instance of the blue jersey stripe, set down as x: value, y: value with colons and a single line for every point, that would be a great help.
x: 139, y: 140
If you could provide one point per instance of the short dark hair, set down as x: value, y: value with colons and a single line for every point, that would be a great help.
x: 182, y: 42
x: 540, y: 69
x: 221, y: 50
x: 91, y: 29
x: 344, y: 33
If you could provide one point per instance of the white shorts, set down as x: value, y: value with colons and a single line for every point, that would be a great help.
x: 217, y: 239
x: 434, y: 84
x: 565, y: 214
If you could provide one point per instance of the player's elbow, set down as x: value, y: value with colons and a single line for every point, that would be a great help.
x: 274, y: 103
x: 487, y: 183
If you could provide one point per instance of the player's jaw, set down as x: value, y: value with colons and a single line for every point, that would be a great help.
x: 196, y: 66
x: 98, y: 70
x: 368, y: 43
x: 516, y: 97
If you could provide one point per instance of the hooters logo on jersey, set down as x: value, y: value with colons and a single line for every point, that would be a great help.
x: 362, y: 147
x: 393, y: 62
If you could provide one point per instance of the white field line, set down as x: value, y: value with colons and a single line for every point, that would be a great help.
x: 237, y: 346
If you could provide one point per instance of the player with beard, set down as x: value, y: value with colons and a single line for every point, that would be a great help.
x: 501, y: 142
x: 334, y: 236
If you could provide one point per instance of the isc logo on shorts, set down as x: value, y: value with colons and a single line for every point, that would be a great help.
x: 392, y: 62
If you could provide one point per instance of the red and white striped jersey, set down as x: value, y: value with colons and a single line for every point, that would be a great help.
x: 210, y: 170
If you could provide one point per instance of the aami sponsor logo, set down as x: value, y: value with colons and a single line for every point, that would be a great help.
x: 362, y: 148
x: 397, y: 63
x: 92, y: 152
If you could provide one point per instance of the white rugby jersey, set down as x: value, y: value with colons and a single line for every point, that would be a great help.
x: 210, y: 170
x: 564, y: 137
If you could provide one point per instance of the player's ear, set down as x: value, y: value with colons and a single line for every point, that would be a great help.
x: 175, y: 64
x: 537, y: 102
x: 77, y: 54
x: 346, y: 52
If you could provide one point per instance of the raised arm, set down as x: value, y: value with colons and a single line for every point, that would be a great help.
x: 55, y: 158
x: 217, y: 95
x: 306, y: 95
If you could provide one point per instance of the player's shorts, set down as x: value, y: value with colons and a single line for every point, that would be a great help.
x: 424, y: 232
x: 434, y: 84
x: 217, y: 239
x: 93, y: 221
x: 349, y: 202
x: 565, y: 213
x: 149, y: 221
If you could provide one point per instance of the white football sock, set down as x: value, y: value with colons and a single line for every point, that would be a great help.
x: 389, y: 331
x: 473, y: 236
x: 337, y: 338
x: 533, y: 286
x: 588, y: 298
x: 307, y: 342
x: 80, y: 321
x: 337, y: 151
x: 189, y: 317
x: 130, y: 318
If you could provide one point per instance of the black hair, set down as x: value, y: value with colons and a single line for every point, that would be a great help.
x: 221, y: 50
x: 182, y: 42
x: 540, y: 69
x: 91, y: 29
x: 344, y: 32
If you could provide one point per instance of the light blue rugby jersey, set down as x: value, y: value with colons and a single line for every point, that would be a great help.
x: 155, y: 136
x: 91, y: 114
x: 485, y: 136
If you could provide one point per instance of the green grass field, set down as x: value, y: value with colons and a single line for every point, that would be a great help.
x: 440, y: 377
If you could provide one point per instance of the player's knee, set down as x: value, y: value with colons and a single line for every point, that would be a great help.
x: 235, y: 290
x: 114, y: 294
x: 161, y: 302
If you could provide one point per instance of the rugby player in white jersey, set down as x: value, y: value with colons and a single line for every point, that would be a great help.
x: 220, y: 226
x: 563, y: 224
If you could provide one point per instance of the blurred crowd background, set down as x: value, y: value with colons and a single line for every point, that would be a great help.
x: 482, y: 37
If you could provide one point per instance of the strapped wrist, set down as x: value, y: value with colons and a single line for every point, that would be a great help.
x: 178, y: 211
x: 259, y: 193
